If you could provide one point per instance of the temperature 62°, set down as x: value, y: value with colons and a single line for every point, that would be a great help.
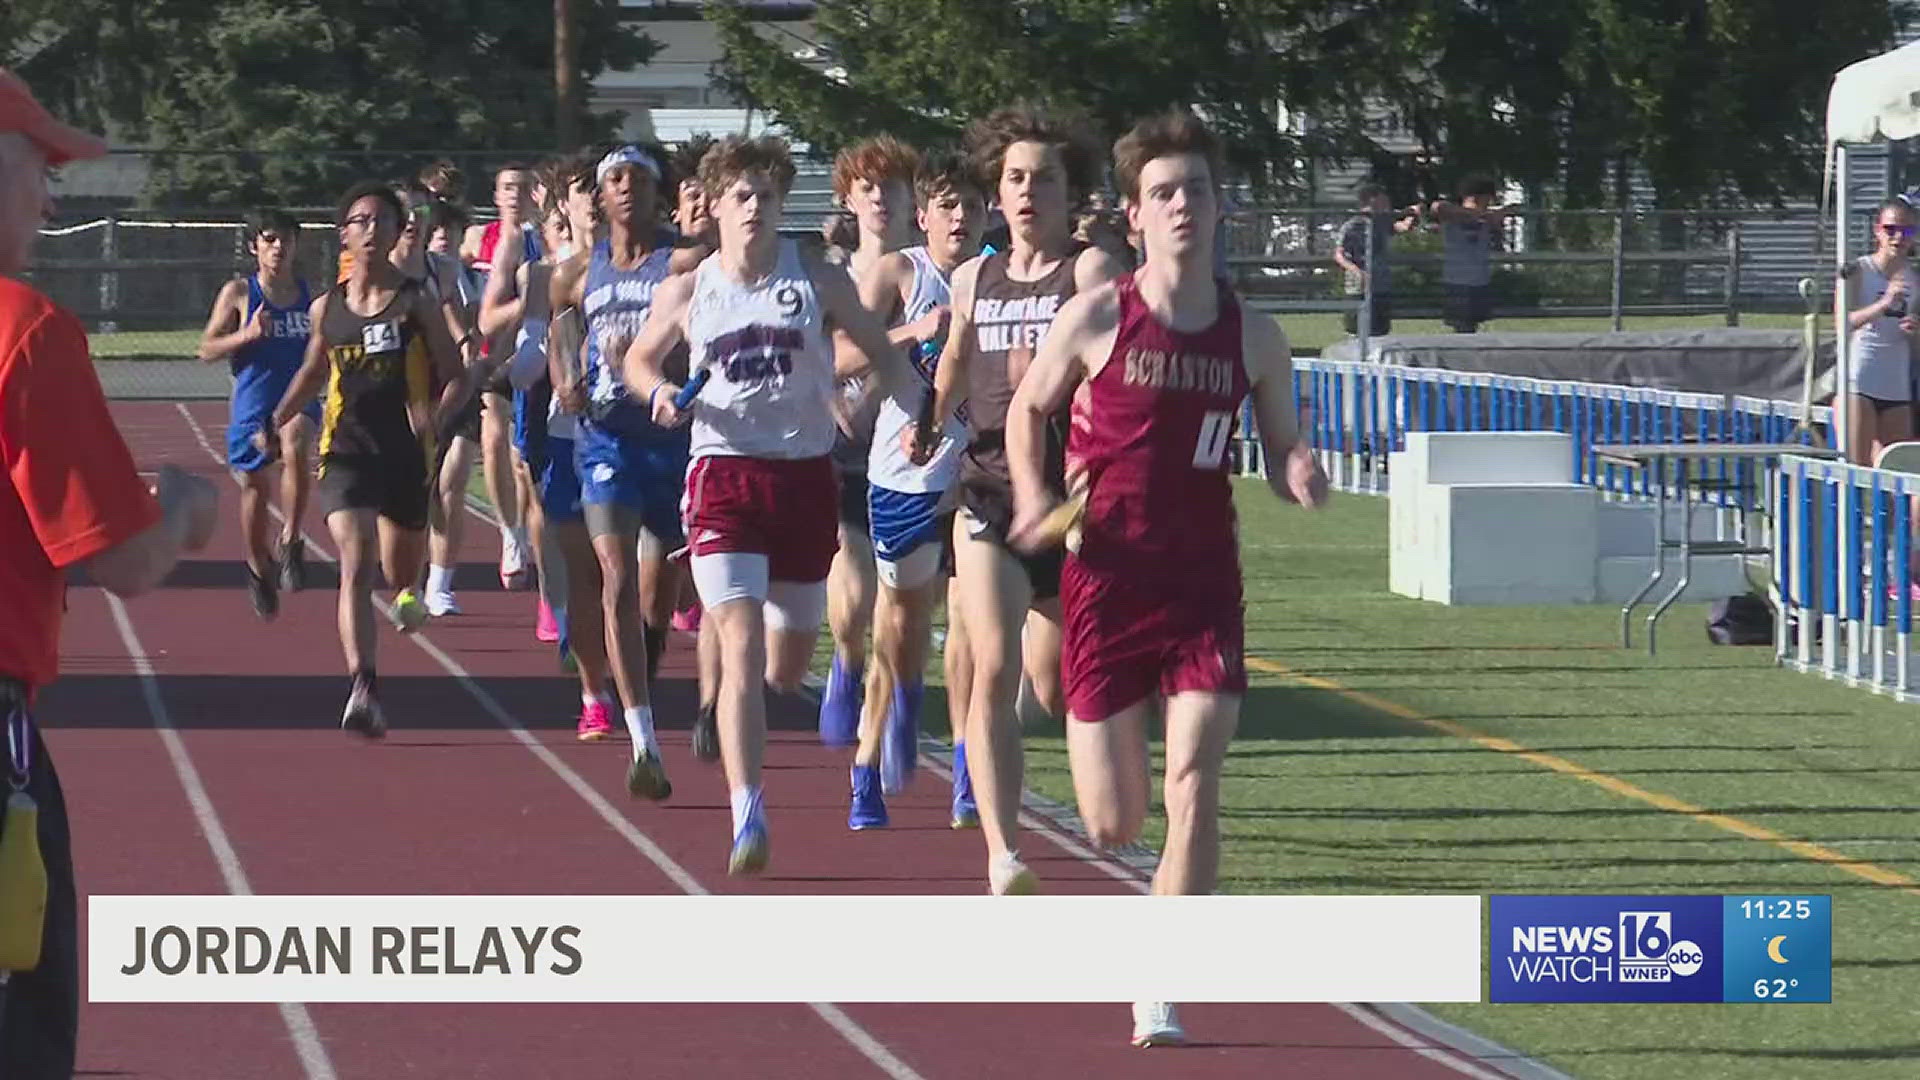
x: 1773, y: 988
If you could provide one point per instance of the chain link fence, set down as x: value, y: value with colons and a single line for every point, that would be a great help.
x: 143, y: 281
x: 1546, y: 263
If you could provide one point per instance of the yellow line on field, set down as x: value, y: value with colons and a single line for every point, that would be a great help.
x: 1879, y: 875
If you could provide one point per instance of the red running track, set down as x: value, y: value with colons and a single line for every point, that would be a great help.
x: 481, y: 788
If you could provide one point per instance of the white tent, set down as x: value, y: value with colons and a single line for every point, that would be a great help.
x: 1877, y: 98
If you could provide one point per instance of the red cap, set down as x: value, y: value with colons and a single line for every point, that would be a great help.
x: 20, y: 112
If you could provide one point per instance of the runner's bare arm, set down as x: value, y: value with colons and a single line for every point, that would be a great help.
x: 500, y: 302
x: 840, y: 303
x: 950, y: 376
x: 687, y: 259
x: 470, y: 243
x: 1093, y: 268
x: 644, y: 366
x: 227, y: 325
x: 457, y: 380
x: 312, y: 375
x: 1292, y: 472
x: 1084, y: 323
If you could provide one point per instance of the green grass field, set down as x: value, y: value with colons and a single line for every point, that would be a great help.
x: 1309, y: 333
x: 1329, y: 795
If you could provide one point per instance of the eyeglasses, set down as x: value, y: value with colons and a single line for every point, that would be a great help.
x: 364, y: 221
x: 1892, y: 229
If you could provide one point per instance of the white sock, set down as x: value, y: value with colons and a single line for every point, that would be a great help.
x: 640, y: 728
x: 439, y: 579
x: 746, y: 806
x: 602, y: 697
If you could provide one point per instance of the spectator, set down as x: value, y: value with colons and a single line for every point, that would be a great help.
x: 69, y: 496
x: 1468, y: 232
x: 1350, y: 254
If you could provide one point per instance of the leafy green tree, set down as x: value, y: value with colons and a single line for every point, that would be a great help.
x: 922, y: 68
x: 290, y: 100
x: 1714, y: 99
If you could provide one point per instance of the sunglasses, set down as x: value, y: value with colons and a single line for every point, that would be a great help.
x: 1896, y: 230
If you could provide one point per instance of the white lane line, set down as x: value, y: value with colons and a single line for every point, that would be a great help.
x: 1038, y: 815
x: 306, y: 1037
x: 857, y: 1036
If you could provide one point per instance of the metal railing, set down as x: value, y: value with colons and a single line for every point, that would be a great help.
x: 1843, y: 573
x: 1355, y: 414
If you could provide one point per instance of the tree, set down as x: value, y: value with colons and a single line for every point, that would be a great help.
x: 291, y: 100
x: 922, y: 68
x: 1713, y: 99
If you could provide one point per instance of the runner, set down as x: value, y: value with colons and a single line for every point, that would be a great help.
x: 448, y: 284
x: 379, y: 344
x: 874, y: 179
x: 259, y: 326
x: 911, y: 504
x: 1156, y: 366
x: 568, y: 545
x: 500, y: 308
x: 693, y: 215
x: 513, y: 199
x: 630, y: 470
x: 760, y: 495
x: 1003, y: 304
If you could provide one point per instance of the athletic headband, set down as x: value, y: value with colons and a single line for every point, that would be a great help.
x: 626, y: 155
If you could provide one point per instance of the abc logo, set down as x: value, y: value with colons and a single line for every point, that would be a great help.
x: 1685, y: 958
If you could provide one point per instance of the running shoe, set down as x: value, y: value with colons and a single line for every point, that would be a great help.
x: 869, y: 806
x: 749, y: 854
x: 441, y: 602
x: 647, y: 776
x: 1008, y: 876
x: 900, y: 745
x: 265, y: 597
x: 706, y: 733
x: 596, y: 722
x: 840, y: 705
x: 513, y: 560
x: 966, y: 813
x: 363, y: 715
x: 293, y: 564
x: 1156, y: 1024
x: 687, y: 619
x: 409, y: 614
x: 545, y: 628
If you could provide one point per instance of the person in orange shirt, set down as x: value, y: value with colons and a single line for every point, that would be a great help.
x: 69, y: 496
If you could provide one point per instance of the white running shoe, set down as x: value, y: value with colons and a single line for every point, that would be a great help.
x: 1156, y: 1024
x: 1008, y: 876
x: 441, y: 602
x: 513, y: 558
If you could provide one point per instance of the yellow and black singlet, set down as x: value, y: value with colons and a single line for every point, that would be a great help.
x: 379, y: 381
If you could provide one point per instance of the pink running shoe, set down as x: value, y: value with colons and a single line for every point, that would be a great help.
x: 687, y: 619
x: 596, y: 722
x: 545, y: 628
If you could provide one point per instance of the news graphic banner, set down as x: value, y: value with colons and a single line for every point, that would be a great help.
x: 781, y: 948
x: 1661, y: 948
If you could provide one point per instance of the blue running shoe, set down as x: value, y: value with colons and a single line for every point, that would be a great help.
x: 840, y: 705
x: 900, y: 747
x: 749, y: 850
x: 966, y: 814
x: 869, y: 807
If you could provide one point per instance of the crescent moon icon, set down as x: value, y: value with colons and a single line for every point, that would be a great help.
x: 1773, y: 949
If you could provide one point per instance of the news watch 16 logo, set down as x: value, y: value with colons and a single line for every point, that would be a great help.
x: 1605, y: 948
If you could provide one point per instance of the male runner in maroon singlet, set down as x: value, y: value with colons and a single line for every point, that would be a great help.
x: 1156, y: 366
x: 1003, y: 306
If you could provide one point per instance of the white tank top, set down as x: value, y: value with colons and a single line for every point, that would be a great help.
x: 1881, y: 341
x: 888, y: 466
x: 771, y: 391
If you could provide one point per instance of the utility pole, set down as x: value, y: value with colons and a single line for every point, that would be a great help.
x: 565, y: 91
